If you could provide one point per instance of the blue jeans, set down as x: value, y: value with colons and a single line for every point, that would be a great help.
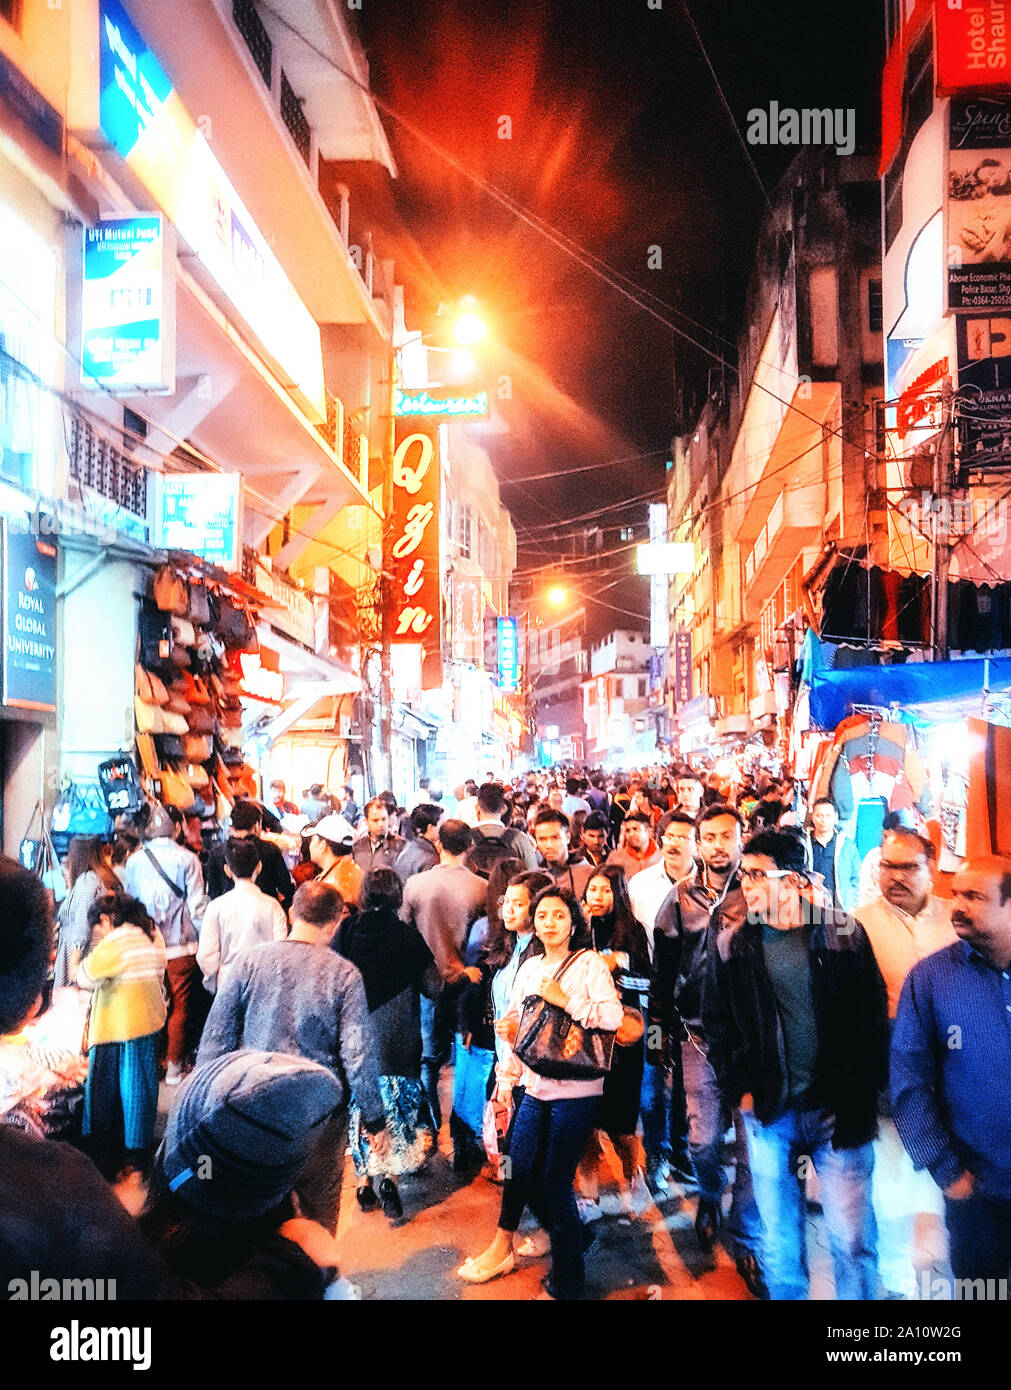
x: 708, y: 1121
x: 548, y: 1139
x: 662, y: 1107
x: 436, y: 1045
x: 778, y: 1151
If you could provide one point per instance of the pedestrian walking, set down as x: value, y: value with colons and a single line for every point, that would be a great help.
x: 242, y: 918
x: 89, y: 873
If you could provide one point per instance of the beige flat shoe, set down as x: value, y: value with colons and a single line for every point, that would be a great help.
x: 473, y: 1273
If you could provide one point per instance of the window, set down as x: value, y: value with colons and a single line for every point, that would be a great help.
x: 627, y: 533
x: 465, y: 529
x: 874, y: 306
x: 250, y: 26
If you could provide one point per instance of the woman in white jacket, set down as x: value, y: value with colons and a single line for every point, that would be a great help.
x: 555, y: 1118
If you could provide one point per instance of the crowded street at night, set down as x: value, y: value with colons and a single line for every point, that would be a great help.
x: 505, y: 700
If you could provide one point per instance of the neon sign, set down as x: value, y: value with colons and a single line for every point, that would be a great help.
x: 435, y: 406
x: 417, y: 598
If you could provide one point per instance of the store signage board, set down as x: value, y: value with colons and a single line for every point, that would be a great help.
x: 417, y: 592
x: 29, y: 619
x: 972, y: 45
x: 143, y: 117
x: 508, y: 654
x: 297, y: 615
x: 682, y: 666
x: 127, y: 307
x: 440, y: 404
x: 200, y: 513
x: 674, y: 557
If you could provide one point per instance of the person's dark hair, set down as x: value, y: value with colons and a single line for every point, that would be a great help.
x: 455, y: 837
x: 84, y: 853
x: 317, y: 904
x: 316, y: 791
x: 717, y: 809
x: 26, y: 936
x: 242, y: 857
x: 577, y: 824
x: 491, y: 799
x: 382, y: 888
x: 689, y: 776
x: 388, y: 800
x: 375, y: 801
x: 246, y: 815
x: 580, y: 937
x: 121, y: 910
x: 546, y: 816
x: 423, y: 817
x: 597, y: 782
x: 498, y: 944
x: 627, y: 932
x: 596, y: 820
x: 767, y: 815
x: 785, y: 850
x: 124, y: 843
x: 470, y: 787
x: 640, y: 818
x: 823, y: 801
x: 572, y: 786
x: 674, y: 818
x: 925, y: 846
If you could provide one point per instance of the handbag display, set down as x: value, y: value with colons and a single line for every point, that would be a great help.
x: 170, y: 592
x: 155, y: 636
x: 196, y: 689
x: 177, y: 702
x: 183, y: 632
x: 197, y: 776
x: 150, y: 718
x: 551, y: 1043
x: 170, y: 746
x: 202, y: 720
x: 175, y: 789
x: 233, y: 625
x: 149, y: 686
x: 180, y: 657
x: 199, y: 612
x: 197, y: 747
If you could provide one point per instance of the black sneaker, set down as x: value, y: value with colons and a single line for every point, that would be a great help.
x: 367, y: 1199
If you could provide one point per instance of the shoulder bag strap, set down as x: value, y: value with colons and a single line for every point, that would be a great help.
x: 179, y: 892
x: 567, y: 962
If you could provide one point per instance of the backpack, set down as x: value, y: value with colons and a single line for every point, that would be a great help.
x: 489, y: 850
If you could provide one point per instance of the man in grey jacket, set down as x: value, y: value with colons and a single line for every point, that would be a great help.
x: 168, y: 880
x: 299, y: 997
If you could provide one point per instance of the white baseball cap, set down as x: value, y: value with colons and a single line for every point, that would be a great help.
x: 333, y: 828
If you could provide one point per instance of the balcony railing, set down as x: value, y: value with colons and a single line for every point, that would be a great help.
x: 333, y: 430
x: 250, y: 26
x: 294, y: 118
x: 97, y: 464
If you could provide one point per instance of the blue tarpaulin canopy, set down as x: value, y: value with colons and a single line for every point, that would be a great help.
x: 928, y: 692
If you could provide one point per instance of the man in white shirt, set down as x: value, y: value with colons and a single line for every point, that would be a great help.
x: 648, y: 888
x: 240, y: 919
x: 573, y: 801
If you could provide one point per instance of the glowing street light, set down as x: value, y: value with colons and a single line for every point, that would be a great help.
x: 469, y: 329
x: 557, y: 596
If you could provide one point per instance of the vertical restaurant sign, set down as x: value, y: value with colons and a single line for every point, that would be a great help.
x: 972, y: 45
x: 201, y: 513
x: 508, y: 654
x: 468, y: 615
x: 141, y: 114
x: 414, y: 548
x: 126, y: 319
x: 978, y: 204
x: 29, y: 609
x: 682, y: 666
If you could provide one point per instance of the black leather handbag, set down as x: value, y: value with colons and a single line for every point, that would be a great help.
x: 551, y: 1043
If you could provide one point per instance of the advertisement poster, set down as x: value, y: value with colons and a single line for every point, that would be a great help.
x: 126, y: 319
x: 29, y: 607
x: 978, y: 204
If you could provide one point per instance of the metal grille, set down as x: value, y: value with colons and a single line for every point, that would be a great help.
x: 250, y: 26
x: 331, y: 429
x: 353, y: 452
x: 97, y: 464
x: 294, y: 118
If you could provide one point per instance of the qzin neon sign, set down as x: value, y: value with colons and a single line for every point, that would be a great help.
x: 423, y: 403
x: 415, y: 545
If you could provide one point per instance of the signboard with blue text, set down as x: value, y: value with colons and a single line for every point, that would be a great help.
x: 508, y: 654
x: 143, y: 117
x: 201, y: 513
x: 440, y: 404
x: 29, y: 619
x: 126, y: 307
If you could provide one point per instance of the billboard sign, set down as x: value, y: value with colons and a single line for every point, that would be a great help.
x: 142, y: 116
x: 972, y: 45
x: 127, y: 302
x: 508, y: 654
x: 200, y: 513
x: 417, y: 592
x: 29, y: 616
x: 440, y: 404
x: 682, y: 666
x: 978, y: 204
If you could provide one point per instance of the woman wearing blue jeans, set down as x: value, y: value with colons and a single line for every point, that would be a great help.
x: 555, y: 1118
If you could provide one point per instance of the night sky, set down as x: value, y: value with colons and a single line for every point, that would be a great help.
x: 619, y: 141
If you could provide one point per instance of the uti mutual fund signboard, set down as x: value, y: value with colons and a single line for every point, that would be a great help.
x: 29, y: 620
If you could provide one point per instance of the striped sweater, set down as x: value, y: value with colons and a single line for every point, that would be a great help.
x: 125, y: 971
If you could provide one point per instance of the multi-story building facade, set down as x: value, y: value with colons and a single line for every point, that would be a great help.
x: 780, y: 463
x: 616, y: 701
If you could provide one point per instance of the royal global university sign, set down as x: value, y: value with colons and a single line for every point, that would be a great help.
x: 414, y: 550
x: 29, y: 620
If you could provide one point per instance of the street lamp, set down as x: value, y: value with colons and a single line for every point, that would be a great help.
x: 557, y: 596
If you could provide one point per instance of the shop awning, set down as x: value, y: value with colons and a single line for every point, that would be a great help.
x: 938, y: 691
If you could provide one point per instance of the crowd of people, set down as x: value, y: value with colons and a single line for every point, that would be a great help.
x: 688, y: 974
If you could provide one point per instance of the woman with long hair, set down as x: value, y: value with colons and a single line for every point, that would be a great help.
x: 88, y: 872
x: 125, y: 970
x: 622, y: 941
x: 396, y: 967
x: 556, y: 1117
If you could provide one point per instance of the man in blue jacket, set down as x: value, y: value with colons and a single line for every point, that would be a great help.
x: 834, y: 856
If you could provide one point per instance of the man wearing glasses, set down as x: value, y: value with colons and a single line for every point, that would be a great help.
x: 904, y: 924
x: 795, y: 1013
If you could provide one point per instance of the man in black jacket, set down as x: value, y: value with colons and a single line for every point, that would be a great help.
x: 795, y: 1012
x: 274, y: 879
